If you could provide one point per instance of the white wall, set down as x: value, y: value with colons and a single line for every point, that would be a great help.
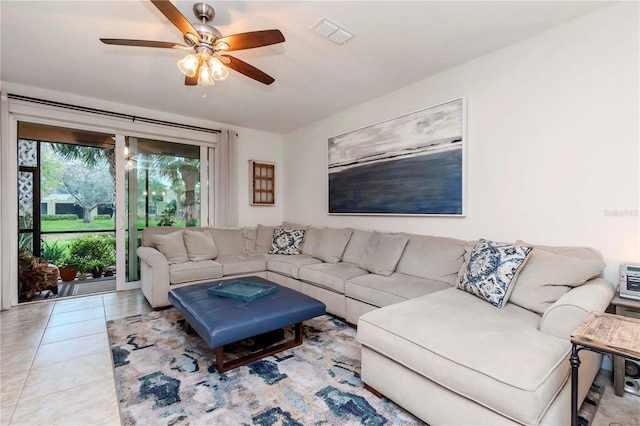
x: 552, y: 142
x: 259, y: 146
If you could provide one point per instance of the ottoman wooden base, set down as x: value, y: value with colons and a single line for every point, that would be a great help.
x: 222, y: 366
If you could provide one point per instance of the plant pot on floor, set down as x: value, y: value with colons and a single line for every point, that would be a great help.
x: 68, y: 273
x: 96, y: 272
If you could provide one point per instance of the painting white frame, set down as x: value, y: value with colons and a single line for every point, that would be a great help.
x: 401, y: 164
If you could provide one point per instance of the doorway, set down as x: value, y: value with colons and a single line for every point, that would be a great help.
x: 68, y: 197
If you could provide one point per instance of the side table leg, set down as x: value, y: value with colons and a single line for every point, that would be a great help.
x: 618, y: 375
x: 575, y: 363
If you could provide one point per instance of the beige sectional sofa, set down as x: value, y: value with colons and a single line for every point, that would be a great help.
x: 444, y: 354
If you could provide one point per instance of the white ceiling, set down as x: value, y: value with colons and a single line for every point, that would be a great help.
x: 54, y: 45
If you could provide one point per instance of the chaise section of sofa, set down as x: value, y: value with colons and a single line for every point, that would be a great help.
x: 450, y: 356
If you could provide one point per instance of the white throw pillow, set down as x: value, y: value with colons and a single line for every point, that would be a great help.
x: 172, y: 247
x: 548, y: 275
x: 311, y: 238
x: 383, y: 253
x: 199, y: 245
x: 331, y: 245
x: 264, y: 238
x: 492, y: 270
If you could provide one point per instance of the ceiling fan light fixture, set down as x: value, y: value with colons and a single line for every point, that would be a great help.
x: 219, y: 71
x: 205, y: 78
x: 189, y: 65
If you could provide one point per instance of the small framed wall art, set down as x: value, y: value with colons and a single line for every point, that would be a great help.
x: 262, y: 176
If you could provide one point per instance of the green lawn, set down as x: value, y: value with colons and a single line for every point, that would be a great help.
x: 95, y: 225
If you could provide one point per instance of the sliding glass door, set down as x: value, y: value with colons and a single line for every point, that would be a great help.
x: 163, y: 188
x: 69, y: 190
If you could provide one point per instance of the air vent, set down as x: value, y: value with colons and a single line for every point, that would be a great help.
x: 332, y: 31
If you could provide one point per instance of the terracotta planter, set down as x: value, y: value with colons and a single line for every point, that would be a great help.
x: 68, y: 273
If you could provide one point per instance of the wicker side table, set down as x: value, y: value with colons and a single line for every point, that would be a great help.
x: 605, y: 334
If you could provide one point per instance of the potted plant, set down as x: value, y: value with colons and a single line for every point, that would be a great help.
x: 84, y: 265
x: 68, y: 268
x: 96, y: 267
x: 92, y: 254
x: 52, y: 252
x: 34, y: 276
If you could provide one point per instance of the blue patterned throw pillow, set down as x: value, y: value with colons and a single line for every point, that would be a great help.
x: 287, y: 241
x: 492, y: 270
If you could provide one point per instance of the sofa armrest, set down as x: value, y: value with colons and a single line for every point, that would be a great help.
x: 151, y: 256
x: 154, y: 276
x: 572, y: 308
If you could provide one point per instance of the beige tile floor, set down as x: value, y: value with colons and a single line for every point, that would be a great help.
x: 56, y: 364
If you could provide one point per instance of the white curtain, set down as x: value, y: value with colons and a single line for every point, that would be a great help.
x: 227, y: 211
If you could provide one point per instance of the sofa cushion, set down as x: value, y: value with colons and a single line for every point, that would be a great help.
x: 586, y: 253
x: 492, y: 269
x: 242, y: 264
x: 264, y: 238
x: 378, y: 290
x: 291, y: 225
x: 434, y: 258
x: 250, y: 234
x: 199, y: 245
x: 172, y: 247
x: 357, y: 245
x: 383, y: 253
x: 332, y: 244
x: 229, y: 241
x: 194, y: 271
x: 287, y: 241
x: 311, y: 238
x: 289, y: 265
x: 474, y: 350
x: 149, y: 233
x: 548, y: 275
x: 330, y: 275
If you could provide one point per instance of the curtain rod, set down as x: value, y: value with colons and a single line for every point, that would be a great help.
x: 133, y: 118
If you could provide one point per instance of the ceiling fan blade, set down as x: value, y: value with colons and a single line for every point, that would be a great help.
x: 252, y: 39
x: 143, y: 43
x: 176, y: 18
x: 248, y: 70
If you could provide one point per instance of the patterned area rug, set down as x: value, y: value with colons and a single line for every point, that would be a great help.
x: 164, y: 376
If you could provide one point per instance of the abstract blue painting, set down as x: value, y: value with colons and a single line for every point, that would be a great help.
x: 409, y: 165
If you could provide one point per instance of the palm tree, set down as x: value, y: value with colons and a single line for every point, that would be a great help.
x: 90, y: 156
x: 188, y: 171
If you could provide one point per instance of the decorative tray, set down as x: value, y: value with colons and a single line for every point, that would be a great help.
x: 246, y: 291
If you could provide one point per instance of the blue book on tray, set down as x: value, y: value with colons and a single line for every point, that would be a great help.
x: 246, y: 291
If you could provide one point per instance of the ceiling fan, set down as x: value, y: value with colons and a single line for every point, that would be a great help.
x: 207, y: 63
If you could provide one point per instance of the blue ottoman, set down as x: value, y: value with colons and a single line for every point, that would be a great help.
x: 222, y: 320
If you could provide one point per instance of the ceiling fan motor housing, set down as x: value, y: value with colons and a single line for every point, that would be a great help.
x: 208, y: 34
